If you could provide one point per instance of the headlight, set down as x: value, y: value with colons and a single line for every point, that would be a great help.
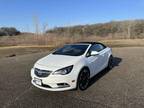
x: 63, y: 71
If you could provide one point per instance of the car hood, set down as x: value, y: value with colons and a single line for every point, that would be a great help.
x: 54, y: 62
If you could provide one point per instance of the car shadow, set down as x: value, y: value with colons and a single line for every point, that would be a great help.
x: 116, y: 62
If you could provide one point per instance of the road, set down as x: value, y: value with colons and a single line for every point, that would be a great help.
x: 121, y: 87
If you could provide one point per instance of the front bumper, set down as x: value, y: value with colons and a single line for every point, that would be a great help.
x: 52, y: 82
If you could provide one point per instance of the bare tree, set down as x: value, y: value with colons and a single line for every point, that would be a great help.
x: 36, y: 25
x: 45, y: 28
x: 129, y: 29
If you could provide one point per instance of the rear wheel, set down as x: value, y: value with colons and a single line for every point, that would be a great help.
x: 83, y: 79
x: 110, y: 63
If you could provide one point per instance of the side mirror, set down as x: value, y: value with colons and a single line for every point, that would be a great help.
x: 94, y: 53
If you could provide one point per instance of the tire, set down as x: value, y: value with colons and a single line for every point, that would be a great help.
x: 110, y: 63
x: 83, y: 79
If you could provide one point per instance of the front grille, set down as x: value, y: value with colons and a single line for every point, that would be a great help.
x: 41, y: 73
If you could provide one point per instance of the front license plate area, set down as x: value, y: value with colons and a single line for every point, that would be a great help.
x: 37, y: 81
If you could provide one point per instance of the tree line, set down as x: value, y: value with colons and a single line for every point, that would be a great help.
x: 115, y: 29
x: 9, y: 31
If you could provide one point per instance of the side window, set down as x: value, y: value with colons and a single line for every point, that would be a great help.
x: 96, y: 47
x: 101, y: 47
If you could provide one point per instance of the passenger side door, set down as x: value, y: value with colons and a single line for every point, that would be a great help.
x: 96, y: 62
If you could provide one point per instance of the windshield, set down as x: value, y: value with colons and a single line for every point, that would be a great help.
x: 72, y: 50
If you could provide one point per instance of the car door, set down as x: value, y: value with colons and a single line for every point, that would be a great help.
x: 104, y: 54
x: 95, y: 62
x: 105, y: 57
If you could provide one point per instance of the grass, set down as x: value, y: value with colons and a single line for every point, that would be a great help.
x: 20, y: 45
x: 55, y: 41
x: 30, y: 46
x: 111, y: 43
x: 124, y: 43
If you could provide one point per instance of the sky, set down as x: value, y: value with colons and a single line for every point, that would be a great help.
x: 23, y: 14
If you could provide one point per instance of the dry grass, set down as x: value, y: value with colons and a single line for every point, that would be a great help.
x: 20, y: 45
x: 124, y: 42
x: 56, y: 41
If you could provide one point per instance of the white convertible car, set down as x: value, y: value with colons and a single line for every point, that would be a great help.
x: 71, y: 66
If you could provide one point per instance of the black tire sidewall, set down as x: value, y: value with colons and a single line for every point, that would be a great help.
x: 78, y: 81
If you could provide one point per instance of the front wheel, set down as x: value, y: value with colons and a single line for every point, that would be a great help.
x: 83, y: 79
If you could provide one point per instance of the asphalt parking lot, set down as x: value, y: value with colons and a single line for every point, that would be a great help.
x: 121, y: 87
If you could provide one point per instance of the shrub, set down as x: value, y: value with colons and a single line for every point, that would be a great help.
x: 8, y: 31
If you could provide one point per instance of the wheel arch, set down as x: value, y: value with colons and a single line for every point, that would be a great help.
x: 84, y: 67
x: 110, y: 53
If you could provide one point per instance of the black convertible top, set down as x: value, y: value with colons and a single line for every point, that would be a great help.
x: 92, y: 43
x: 88, y: 42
